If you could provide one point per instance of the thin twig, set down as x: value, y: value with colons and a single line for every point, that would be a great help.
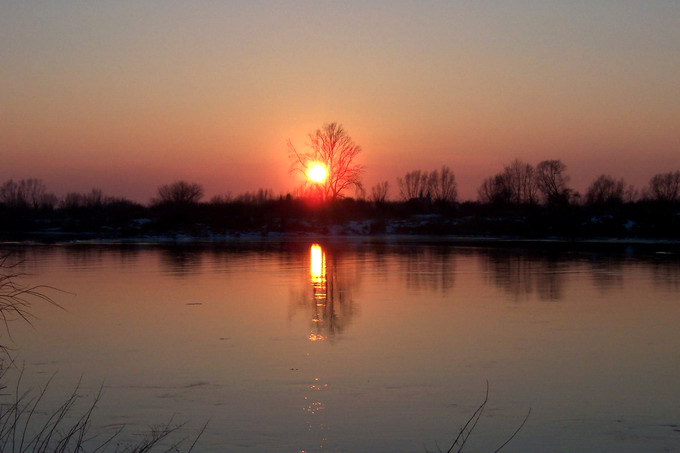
x: 475, y: 416
x: 515, y: 433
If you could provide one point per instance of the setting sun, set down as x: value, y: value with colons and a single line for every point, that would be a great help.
x: 317, y: 173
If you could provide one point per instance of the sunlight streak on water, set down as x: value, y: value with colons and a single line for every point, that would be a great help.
x: 318, y: 265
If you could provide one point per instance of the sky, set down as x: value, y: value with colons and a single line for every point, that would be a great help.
x: 128, y: 95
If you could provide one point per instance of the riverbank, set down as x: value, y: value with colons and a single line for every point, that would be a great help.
x: 659, y: 246
x: 642, y: 221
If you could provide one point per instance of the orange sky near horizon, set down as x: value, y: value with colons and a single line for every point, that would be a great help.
x: 126, y: 96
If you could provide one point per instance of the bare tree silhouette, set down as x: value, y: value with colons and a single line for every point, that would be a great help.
x: 413, y: 185
x: 95, y: 198
x: 180, y: 192
x: 516, y: 184
x: 552, y: 182
x: 439, y: 185
x: 521, y: 180
x: 665, y: 187
x: 332, y: 147
x: 495, y: 190
x: 30, y: 193
x: 605, y: 190
x: 379, y: 192
x: 442, y: 185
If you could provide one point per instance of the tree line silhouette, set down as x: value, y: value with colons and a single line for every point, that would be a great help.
x: 522, y: 200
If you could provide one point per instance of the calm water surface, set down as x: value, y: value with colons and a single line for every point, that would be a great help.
x: 363, y: 347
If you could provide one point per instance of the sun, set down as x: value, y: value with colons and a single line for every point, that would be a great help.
x: 317, y: 173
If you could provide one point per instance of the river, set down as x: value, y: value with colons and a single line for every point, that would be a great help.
x: 360, y: 346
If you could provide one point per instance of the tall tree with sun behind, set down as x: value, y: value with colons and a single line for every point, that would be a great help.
x: 328, y: 165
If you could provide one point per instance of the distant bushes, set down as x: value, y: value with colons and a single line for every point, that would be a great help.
x: 522, y: 200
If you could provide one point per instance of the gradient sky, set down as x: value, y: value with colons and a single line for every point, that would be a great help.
x: 128, y: 95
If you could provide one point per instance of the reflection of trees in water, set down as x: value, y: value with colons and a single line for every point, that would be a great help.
x: 327, y: 296
x: 84, y: 257
x: 428, y: 267
x: 521, y: 273
x: 188, y: 259
x: 182, y: 261
x: 665, y: 272
x: 610, y: 271
x: 222, y: 257
x: 75, y: 256
x: 606, y: 272
x: 128, y: 255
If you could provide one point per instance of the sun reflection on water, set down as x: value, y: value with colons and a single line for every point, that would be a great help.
x: 314, y: 408
x: 321, y: 306
x: 318, y: 265
x: 326, y: 293
x: 316, y: 336
x: 317, y: 273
